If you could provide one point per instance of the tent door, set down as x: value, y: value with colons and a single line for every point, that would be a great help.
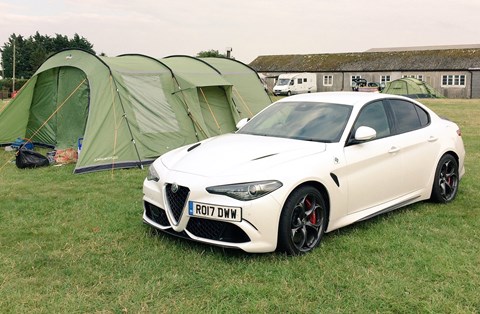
x: 73, y: 95
x: 216, y: 110
x: 59, y: 109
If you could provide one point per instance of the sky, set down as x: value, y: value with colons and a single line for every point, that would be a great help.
x: 251, y: 28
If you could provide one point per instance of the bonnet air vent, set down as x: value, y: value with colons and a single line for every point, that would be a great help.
x: 193, y: 147
x: 264, y: 157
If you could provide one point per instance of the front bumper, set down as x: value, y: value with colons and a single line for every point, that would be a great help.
x: 255, y: 233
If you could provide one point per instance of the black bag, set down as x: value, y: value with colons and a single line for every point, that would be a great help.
x: 29, y: 159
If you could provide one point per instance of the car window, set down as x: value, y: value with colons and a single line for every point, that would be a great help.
x: 423, y: 116
x: 310, y: 121
x: 408, y: 116
x: 373, y: 115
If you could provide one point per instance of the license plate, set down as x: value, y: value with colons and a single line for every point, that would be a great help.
x: 217, y: 212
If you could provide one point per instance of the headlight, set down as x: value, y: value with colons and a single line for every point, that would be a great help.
x: 246, y: 191
x: 152, y: 174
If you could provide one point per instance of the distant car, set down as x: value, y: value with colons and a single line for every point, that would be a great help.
x: 305, y: 165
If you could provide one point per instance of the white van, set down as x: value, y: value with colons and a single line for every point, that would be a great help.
x: 295, y: 83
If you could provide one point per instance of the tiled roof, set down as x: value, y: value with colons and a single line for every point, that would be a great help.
x: 421, y: 60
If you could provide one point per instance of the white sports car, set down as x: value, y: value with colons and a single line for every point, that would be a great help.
x: 305, y: 165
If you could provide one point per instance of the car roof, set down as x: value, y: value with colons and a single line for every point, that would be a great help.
x: 346, y: 98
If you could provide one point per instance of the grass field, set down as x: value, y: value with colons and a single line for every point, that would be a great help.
x: 76, y: 244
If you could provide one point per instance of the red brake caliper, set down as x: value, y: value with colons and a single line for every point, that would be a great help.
x: 313, y: 215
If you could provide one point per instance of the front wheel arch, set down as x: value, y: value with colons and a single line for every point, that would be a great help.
x: 323, y: 190
x: 310, y: 188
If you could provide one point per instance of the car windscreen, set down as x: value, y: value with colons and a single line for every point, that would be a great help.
x: 310, y: 121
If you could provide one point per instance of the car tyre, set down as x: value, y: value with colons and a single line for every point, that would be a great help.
x: 302, y: 221
x: 289, y: 93
x: 445, y: 184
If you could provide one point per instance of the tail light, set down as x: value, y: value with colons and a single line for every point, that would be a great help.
x: 459, y: 132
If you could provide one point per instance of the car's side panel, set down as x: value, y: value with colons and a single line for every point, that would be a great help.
x: 419, y: 150
x: 373, y: 173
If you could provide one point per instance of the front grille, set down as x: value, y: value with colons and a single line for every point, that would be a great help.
x: 156, y: 214
x: 216, y: 230
x: 176, y: 200
x: 203, y: 228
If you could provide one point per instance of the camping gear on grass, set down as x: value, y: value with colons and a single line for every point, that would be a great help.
x: 26, y: 158
x: 20, y: 141
x: 66, y: 156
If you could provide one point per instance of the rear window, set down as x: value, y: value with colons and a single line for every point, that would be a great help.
x: 408, y: 116
x: 423, y: 116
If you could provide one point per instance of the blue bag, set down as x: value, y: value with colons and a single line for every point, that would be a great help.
x: 20, y: 141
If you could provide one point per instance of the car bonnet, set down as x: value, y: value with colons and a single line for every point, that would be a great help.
x: 233, y: 154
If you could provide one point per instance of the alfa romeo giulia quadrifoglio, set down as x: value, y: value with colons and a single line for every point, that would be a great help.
x: 304, y: 166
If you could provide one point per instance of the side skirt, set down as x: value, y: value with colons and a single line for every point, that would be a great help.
x: 389, y: 209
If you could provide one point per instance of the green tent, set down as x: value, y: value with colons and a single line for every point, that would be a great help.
x: 249, y: 94
x: 222, y: 91
x: 411, y: 87
x: 205, y: 93
x: 127, y: 109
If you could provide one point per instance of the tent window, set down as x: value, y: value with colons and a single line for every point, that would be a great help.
x: 153, y: 112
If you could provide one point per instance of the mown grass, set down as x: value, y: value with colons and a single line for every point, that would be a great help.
x: 76, y: 243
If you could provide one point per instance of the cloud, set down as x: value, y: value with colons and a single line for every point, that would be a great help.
x: 160, y: 27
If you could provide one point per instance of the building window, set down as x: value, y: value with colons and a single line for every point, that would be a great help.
x: 417, y: 76
x: 453, y: 80
x: 354, y: 77
x: 327, y: 80
x: 384, y: 79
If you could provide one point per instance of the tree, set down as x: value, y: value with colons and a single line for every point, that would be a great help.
x: 210, y: 53
x: 31, y: 52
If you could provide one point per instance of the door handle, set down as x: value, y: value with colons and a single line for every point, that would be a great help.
x: 394, y: 149
x: 432, y: 138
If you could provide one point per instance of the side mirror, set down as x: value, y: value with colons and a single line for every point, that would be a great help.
x: 365, y: 133
x: 242, y: 123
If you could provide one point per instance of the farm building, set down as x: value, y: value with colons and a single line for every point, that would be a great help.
x: 454, y: 71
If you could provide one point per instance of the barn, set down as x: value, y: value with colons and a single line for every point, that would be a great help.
x: 454, y: 71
